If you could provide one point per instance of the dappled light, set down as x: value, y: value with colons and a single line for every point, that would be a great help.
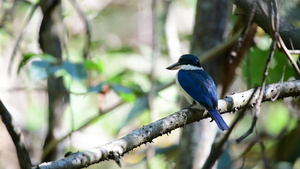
x: 84, y: 84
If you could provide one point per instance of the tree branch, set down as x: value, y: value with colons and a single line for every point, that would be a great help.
x: 289, y: 33
x: 179, y: 119
x: 96, y: 117
x: 20, y: 36
x: 15, y: 133
x: 87, y: 45
x: 219, y: 145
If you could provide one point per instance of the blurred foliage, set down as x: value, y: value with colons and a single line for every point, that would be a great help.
x: 277, y: 118
x: 254, y: 66
x: 118, y: 69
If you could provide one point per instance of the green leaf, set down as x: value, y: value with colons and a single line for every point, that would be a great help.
x: 118, y: 78
x: 25, y: 59
x: 42, y: 69
x: 94, y: 65
x: 122, y: 50
x: 126, y: 79
x: 121, y: 89
x: 127, y: 97
x: 124, y: 92
x: 76, y: 70
x: 253, y: 69
x: 29, y: 56
x: 137, y: 90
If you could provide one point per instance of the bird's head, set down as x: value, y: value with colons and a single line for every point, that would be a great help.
x: 186, y: 62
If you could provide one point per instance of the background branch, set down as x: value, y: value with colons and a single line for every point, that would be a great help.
x: 20, y: 36
x: 179, y: 119
x: 95, y: 118
x: 289, y: 33
x: 87, y: 45
x: 219, y: 145
x: 15, y: 133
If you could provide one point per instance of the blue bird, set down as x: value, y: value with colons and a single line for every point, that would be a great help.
x: 197, y: 85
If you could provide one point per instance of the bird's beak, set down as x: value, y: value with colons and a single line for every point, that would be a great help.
x: 174, y: 66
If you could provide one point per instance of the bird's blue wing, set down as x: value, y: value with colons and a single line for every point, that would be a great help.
x: 200, y: 86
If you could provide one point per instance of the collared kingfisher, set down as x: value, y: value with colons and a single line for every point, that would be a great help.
x: 197, y: 85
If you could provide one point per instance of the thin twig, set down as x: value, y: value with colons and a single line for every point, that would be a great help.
x: 287, y: 30
x: 16, y: 46
x: 16, y: 135
x: 243, y: 154
x: 263, y: 152
x: 91, y: 120
x: 215, y: 51
x: 290, y: 57
x: 275, y: 28
x: 281, y: 81
x: 249, y: 131
x: 241, y: 38
x: 257, y: 107
x: 83, y: 18
x: 155, y: 54
x: 294, y: 52
x: 218, y: 147
x: 275, y: 34
x: 262, y: 8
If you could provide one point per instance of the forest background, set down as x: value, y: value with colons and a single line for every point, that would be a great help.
x: 81, y: 74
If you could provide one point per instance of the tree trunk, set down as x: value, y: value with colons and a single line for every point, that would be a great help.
x: 50, y: 42
x: 209, y: 30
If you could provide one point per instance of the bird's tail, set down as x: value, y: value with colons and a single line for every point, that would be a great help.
x: 218, y: 118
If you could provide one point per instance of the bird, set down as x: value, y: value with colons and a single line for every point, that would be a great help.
x: 198, y: 86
